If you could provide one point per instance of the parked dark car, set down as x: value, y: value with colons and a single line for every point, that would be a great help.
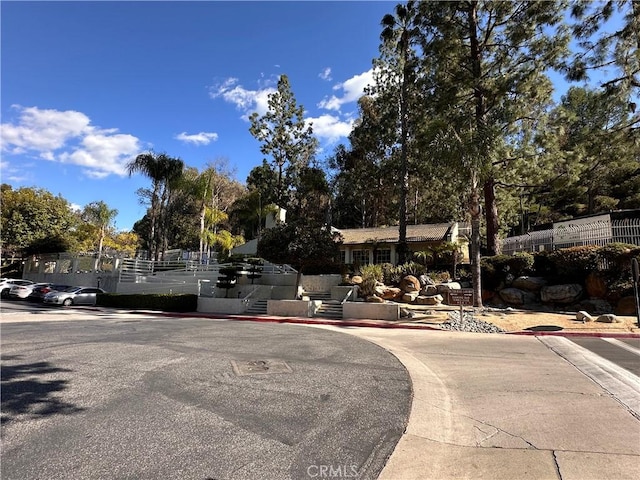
x: 38, y: 293
x: 73, y: 296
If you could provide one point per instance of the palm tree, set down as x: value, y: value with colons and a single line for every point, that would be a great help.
x: 162, y: 170
x: 101, y: 216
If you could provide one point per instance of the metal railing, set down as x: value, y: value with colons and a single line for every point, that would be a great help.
x: 136, y: 270
x: 594, y: 233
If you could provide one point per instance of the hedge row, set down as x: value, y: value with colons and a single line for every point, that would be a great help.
x: 164, y: 302
x: 566, y: 265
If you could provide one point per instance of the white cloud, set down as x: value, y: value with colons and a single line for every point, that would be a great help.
x: 330, y: 128
x: 202, y: 138
x: 248, y: 101
x: 68, y: 137
x: 326, y: 74
x: 43, y: 130
x: 352, y: 90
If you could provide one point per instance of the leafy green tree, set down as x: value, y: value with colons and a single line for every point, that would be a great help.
x: 127, y: 243
x: 592, y: 150
x: 284, y: 135
x: 486, y: 63
x: 366, y: 178
x: 101, y: 217
x: 248, y: 214
x: 300, y: 244
x: 264, y: 181
x: 601, y: 47
x: 30, y: 216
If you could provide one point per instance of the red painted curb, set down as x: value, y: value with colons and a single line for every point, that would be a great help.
x: 577, y: 334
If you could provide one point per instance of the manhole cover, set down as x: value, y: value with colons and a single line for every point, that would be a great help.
x: 260, y: 367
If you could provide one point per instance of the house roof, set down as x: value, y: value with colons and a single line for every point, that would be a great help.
x: 415, y: 233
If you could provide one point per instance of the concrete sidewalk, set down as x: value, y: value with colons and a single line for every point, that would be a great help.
x: 504, y: 407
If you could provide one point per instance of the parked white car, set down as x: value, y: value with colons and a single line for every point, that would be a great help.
x: 7, y: 283
x: 73, y: 296
x: 23, y: 291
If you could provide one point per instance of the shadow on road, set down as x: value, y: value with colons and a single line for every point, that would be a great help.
x: 29, y: 389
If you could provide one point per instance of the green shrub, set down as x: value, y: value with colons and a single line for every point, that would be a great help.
x: 521, y: 263
x: 618, y: 255
x: 440, y: 277
x: 390, y: 274
x: 162, y: 302
x: 494, y: 271
x: 412, y: 268
x: 372, y: 271
x: 367, y: 287
x: 573, y: 264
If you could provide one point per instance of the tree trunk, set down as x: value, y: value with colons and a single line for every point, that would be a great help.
x: 403, y: 249
x: 491, y: 217
x: 476, y: 211
x: 100, y: 244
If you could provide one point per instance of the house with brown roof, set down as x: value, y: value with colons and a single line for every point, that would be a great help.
x: 379, y: 245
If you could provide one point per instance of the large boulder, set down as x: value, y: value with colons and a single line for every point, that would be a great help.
x: 515, y: 296
x: 626, y: 306
x: 374, y: 299
x: 429, y: 290
x: 584, y: 317
x: 567, y: 293
x: 608, y: 318
x: 443, y: 288
x: 425, y: 280
x: 596, y: 286
x: 410, y: 284
x: 391, y: 293
x: 531, y: 284
x: 410, y: 297
x: 429, y: 300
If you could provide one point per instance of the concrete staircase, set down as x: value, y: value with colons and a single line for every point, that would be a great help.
x: 259, y: 307
x: 330, y: 309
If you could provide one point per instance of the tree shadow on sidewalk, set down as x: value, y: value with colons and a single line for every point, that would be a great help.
x: 30, y: 389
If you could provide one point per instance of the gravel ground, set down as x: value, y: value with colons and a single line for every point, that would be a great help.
x: 469, y: 324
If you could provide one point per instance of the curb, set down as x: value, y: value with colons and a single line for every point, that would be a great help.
x: 373, y: 324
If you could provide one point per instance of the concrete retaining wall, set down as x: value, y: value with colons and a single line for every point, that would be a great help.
x: 372, y: 311
x: 230, y: 306
x: 290, y: 308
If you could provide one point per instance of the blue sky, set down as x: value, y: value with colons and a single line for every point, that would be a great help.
x: 88, y: 85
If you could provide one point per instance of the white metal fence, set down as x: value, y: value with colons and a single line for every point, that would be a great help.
x: 592, y: 233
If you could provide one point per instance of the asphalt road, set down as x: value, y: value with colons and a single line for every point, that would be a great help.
x: 137, y: 398
x: 624, y: 352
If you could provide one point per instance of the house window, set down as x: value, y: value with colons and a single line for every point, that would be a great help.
x: 343, y: 257
x: 361, y: 257
x: 382, y: 256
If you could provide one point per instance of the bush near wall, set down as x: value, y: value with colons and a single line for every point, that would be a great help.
x: 611, y: 263
x: 496, y: 269
x: 162, y: 302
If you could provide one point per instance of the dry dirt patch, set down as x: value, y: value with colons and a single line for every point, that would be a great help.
x: 526, y: 320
